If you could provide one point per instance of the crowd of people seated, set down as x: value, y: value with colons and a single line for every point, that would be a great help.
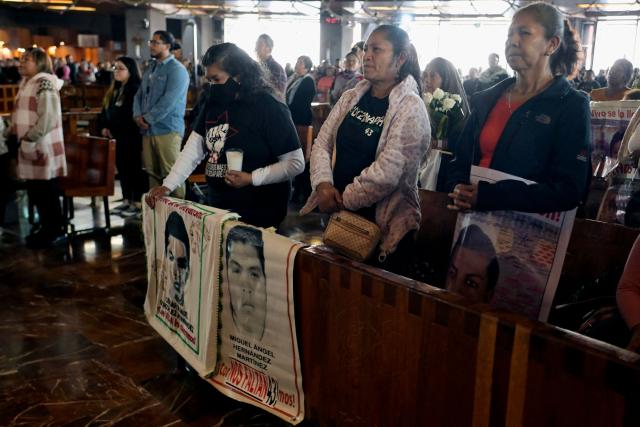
x: 368, y: 154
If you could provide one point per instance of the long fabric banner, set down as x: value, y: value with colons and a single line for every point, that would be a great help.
x: 609, y: 121
x: 621, y: 201
x: 182, y: 239
x: 221, y: 294
x: 509, y: 259
x: 258, y: 361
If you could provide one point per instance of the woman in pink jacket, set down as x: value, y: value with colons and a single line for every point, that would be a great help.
x: 367, y: 153
x: 37, y: 123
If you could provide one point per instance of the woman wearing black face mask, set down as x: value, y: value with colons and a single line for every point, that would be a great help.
x: 241, y: 112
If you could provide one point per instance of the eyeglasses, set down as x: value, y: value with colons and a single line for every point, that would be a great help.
x: 155, y: 42
x: 114, y: 68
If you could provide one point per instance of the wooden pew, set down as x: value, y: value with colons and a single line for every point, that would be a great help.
x: 380, y: 349
x: 93, y: 95
x: 7, y: 96
x: 80, y: 120
x: 82, y: 96
x: 91, y: 163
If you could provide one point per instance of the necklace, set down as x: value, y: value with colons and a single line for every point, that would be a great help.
x: 510, y: 90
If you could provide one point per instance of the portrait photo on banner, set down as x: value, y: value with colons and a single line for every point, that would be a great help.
x: 509, y: 259
x: 258, y: 359
x: 183, y: 242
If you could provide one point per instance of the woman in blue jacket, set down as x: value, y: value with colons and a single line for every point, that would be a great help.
x: 534, y: 126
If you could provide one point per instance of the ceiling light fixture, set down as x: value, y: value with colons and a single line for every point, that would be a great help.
x: 73, y: 8
x: 38, y: 1
x: 604, y: 5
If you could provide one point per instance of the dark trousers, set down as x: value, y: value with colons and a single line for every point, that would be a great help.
x: 7, y: 187
x: 400, y: 261
x: 133, y: 180
x: 302, y: 186
x: 45, y: 196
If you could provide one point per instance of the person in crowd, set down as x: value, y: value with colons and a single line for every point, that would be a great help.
x: 602, y: 78
x: 177, y: 51
x: 325, y: 83
x: 86, y: 72
x: 301, y: 89
x: 472, y: 82
x: 244, y: 112
x: 630, y: 146
x: 492, y: 75
x: 628, y: 296
x: 442, y: 74
x: 158, y: 110
x: 635, y: 79
x: 247, y: 280
x: 351, y: 71
x: 321, y: 69
x: 116, y: 121
x: 366, y: 164
x: 73, y: 69
x: 63, y: 72
x: 618, y: 82
x: 288, y: 70
x: 357, y: 49
x: 11, y: 71
x: 589, y: 83
x: 619, y: 325
x: 474, y: 269
x: 277, y: 76
x: 37, y: 123
x: 6, y: 156
x: 632, y: 95
x: 104, y: 75
x: 81, y: 75
x: 534, y: 125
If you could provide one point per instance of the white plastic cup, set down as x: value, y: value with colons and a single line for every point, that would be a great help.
x: 234, y: 159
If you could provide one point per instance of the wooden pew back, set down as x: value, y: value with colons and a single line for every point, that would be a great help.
x: 7, y: 97
x: 379, y: 349
x: 91, y: 167
x: 595, y: 249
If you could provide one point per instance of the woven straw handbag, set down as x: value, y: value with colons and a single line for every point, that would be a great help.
x: 352, y: 235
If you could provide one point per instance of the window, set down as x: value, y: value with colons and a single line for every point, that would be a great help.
x: 616, y: 39
x: 466, y: 43
x: 292, y: 37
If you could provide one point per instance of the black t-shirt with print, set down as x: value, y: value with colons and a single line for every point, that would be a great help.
x: 357, y: 141
x: 262, y: 128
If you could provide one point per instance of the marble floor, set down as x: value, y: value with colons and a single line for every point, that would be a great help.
x: 75, y: 349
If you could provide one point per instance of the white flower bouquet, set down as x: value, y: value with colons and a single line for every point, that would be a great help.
x: 445, y: 111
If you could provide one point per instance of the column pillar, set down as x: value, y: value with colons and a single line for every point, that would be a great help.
x: 140, y: 25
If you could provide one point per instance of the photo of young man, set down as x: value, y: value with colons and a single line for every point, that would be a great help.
x: 473, y: 269
x: 176, y: 258
x: 246, y: 280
